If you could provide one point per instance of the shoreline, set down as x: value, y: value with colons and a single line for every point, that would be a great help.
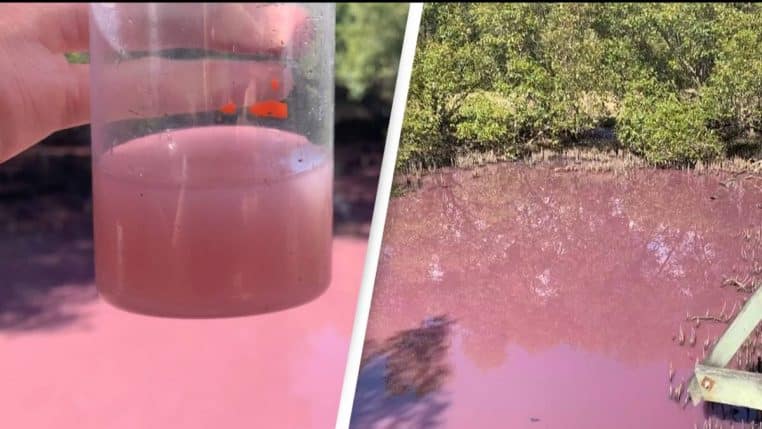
x: 579, y: 159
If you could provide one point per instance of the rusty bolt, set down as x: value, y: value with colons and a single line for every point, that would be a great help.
x: 707, y: 383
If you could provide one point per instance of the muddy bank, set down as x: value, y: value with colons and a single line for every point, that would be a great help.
x: 588, y: 157
x: 572, y: 294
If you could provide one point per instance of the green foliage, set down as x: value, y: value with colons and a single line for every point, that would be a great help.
x: 425, y: 142
x: 486, y: 122
x: 368, y: 45
x: 680, y: 80
x: 667, y: 131
x: 444, y: 75
x: 78, y: 57
x: 733, y: 94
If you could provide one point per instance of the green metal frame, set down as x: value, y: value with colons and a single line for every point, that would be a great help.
x: 713, y: 382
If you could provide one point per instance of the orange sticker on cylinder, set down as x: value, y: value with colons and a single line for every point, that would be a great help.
x: 228, y: 109
x: 269, y: 109
x: 274, y: 84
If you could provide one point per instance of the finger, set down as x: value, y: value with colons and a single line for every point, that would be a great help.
x: 51, y: 97
x: 172, y: 87
x: 228, y: 27
x: 60, y: 27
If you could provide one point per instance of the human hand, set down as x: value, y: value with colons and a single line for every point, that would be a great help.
x: 41, y: 92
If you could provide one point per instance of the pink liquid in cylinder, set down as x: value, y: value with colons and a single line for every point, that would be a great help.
x: 213, y: 222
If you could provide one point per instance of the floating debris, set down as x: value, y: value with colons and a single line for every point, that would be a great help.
x: 746, y: 285
x: 678, y: 392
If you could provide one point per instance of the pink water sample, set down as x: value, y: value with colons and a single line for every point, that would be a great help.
x: 213, y: 222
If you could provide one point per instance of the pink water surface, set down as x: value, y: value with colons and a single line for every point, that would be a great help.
x: 106, y: 368
x: 213, y: 221
x: 566, y: 291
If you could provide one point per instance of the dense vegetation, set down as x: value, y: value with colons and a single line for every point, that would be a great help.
x: 368, y: 45
x: 677, y: 83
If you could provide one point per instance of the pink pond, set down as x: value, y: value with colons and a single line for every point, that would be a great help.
x: 69, y: 360
x: 518, y: 297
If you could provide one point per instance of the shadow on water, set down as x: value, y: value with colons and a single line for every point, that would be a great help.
x: 46, y: 249
x: 46, y: 270
x: 45, y: 280
x: 728, y: 413
x: 401, y: 381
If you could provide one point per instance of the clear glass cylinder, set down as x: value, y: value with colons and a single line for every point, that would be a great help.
x: 212, y: 144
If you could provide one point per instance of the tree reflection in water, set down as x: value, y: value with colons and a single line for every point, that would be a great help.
x: 401, y: 379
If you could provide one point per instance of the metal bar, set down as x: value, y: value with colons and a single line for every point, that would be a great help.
x: 729, y: 343
x: 729, y: 386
